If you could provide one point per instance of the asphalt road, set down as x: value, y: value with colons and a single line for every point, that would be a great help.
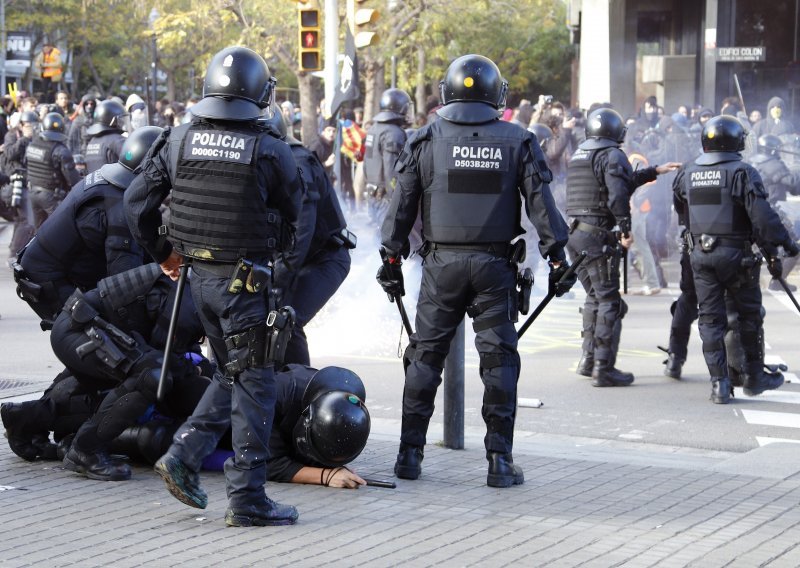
x: 360, y: 330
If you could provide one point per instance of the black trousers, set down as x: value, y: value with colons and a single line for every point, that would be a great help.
x: 481, y: 284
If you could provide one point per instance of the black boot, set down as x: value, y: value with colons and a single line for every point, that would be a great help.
x: 96, y: 465
x: 23, y: 422
x: 674, y: 366
x: 721, y: 390
x: 409, y: 462
x: 757, y: 381
x: 502, y: 471
x: 271, y: 514
x: 586, y: 364
x: 182, y: 482
x: 605, y: 375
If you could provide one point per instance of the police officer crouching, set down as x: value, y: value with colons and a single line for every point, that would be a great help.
x: 727, y: 210
x: 600, y: 182
x: 234, y: 205
x: 470, y: 170
x: 51, y: 168
x: 87, y: 238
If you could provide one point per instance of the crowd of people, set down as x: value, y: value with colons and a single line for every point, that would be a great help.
x: 218, y: 207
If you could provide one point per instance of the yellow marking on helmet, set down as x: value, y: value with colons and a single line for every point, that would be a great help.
x: 711, y: 133
x: 469, y: 81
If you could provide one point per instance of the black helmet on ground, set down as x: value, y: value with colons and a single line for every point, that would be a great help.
x: 394, y: 105
x: 542, y: 132
x: 53, y: 127
x: 723, y: 134
x: 604, y: 125
x: 108, y: 117
x: 238, y: 85
x: 133, y: 152
x: 334, y: 425
x: 472, y: 91
x: 769, y: 144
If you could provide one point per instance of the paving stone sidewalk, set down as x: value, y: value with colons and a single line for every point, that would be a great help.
x: 582, y: 504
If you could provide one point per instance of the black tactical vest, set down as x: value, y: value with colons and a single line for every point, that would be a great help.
x: 712, y: 210
x: 379, y: 135
x: 218, y: 211
x: 60, y: 237
x: 586, y: 195
x: 473, y: 196
x: 772, y: 171
x: 41, y: 173
x: 101, y: 150
x: 124, y: 297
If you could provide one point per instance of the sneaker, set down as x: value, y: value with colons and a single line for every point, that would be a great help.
x: 648, y: 291
x: 182, y: 483
x: 271, y: 514
x: 98, y: 465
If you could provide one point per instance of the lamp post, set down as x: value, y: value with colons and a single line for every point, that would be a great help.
x: 154, y: 65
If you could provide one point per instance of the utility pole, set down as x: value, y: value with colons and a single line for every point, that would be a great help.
x: 331, y: 51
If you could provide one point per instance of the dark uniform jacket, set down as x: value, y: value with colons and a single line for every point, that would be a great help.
x: 50, y: 165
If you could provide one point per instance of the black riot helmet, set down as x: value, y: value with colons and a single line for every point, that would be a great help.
x: 108, y: 117
x: 273, y: 119
x: 723, y: 133
x: 238, y: 86
x: 28, y: 117
x: 133, y: 152
x: 606, y: 123
x: 53, y: 127
x: 394, y: 105
x: 542, y: 132
x: 472, y: 91
x: 769, y: 145
x: 334, y: 425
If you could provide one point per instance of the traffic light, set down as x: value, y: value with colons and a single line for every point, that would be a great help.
x: 309, y: 52
x: 363, y: 17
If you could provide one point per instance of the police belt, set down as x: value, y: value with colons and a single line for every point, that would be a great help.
x: 576, y: 225
x: 499, y: 249
x: 42, y: 188
x: 733, y: 242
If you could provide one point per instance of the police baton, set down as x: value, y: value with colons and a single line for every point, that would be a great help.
x: 624, y: 270
x: 551, y: 294
x: 173, y: 323
x: 785, y: 287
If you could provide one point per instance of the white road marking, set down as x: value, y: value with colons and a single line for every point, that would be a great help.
x: 766, y: 440
x: 766, y: 418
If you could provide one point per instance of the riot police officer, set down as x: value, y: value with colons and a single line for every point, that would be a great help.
x: 105, y: 139
x: 235, y: 201
x: 470, y: 169
x: 87, y: 238
x: 384, y: 142
x: 600, y: 182
x: 110, y: 338
x: 309, y: 275
x: 727, y: 210
x: 15, y: 144
x: 51, y: 169
x: 778, y: 181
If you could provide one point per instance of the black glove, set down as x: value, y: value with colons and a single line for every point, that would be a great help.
x: 555, y: 284
x: 390, y: 277
x: 791, y: 248
x: 775, y: 267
